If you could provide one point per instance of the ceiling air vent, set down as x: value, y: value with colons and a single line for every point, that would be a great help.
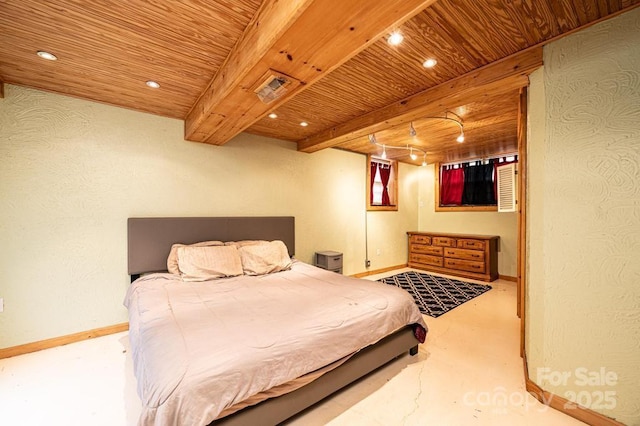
x: 506, y: 188
x: 273, y: 85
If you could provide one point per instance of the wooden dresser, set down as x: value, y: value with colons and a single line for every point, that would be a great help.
x: 471, y: 256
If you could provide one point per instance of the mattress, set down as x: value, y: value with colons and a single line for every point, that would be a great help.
x: 201, y: 348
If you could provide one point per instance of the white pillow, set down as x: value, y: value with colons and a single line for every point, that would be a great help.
x: 172, y: 260
x: 265, y: 258
x: 208, y: 263
x: 243, y: 243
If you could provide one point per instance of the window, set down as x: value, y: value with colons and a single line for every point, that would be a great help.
x: 382, y: 184
x: 470, y: 185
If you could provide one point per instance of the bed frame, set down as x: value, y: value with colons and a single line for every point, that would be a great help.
x: 149, y: 243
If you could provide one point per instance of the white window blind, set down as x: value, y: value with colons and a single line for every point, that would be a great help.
x: 506, y: 185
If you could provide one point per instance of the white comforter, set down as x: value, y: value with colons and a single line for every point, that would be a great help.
x: 199, y: 348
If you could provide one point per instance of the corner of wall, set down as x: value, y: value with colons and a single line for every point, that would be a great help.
x: 582, y: 231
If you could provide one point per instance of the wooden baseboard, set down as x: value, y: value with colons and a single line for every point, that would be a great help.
x: 559, y: 403
x: 379, y: 271
x: 508, y: 278
x: 62, y: 340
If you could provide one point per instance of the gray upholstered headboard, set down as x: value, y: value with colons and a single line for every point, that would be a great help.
x: 150, y: 239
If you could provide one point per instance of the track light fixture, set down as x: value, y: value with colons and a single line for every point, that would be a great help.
x: 412, y: 149
x: 456, y: 120
x: 413, y: 133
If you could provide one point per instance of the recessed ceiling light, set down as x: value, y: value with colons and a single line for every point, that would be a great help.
x: 153, y: 84
x: 46, y: 55
x: 304, y: 123
x: 429, y: 63
x: 395, y: 38
x: 273, y: 115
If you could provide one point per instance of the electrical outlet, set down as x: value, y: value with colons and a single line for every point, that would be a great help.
x: 367, y: 263
x: 378, y: 251
x: 1, y: 304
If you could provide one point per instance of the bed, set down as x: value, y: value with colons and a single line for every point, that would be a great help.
x: 216, y: 352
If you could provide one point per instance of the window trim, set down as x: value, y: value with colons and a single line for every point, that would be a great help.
x: 392, y: 187
x: 439, y: 208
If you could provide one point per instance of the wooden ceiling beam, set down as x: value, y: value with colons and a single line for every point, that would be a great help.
x: 267, y: 26
x: 302, y: 39
x: 501, y: 76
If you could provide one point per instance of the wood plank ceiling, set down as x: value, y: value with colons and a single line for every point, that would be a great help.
x: 207, y: 56
x: 108, y: 50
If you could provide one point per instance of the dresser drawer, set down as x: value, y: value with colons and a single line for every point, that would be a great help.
x: 419, y: 248
x: 444, y: 241
x: 420, y: 239
x: 464, y: 254
x: 471, y: 244
x: 425, y: 259
x: 464, y: 265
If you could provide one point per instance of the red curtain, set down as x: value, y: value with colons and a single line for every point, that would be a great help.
x: 374, y: 169
x: 451, y: 186
x: 385, y: 174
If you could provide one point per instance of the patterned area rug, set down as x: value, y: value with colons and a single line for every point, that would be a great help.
x: 436, y: 295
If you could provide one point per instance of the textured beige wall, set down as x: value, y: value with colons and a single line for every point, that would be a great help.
x: 504, y: 225
x: 72, y: 171
x: 584, y: 219
x: 387, y: 236
x: 535, y: 300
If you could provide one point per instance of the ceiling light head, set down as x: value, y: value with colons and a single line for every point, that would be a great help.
x: 304, y: 123
x: 372, y: 139
x: 424, y: 159
x: 46, y: 55
x: 273, y: 115
x: 153, y: 84
x: 412, y: 154
x: 384, y: 152
x: 457, y: 120
x: 429, y: 63
x: 395, y: 38
x: 412, y: 130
